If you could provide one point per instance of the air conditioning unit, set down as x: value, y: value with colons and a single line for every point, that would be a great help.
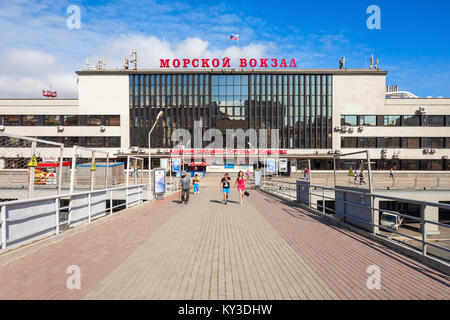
x: 120, y: 151
x: 361, y: 128
x: 2, y: 128
x: 344, y: 129
x: 383, y: 156
x: 134, y: 149
x: 350, y: 129
x: 396, y: 156
x: 433, y: 150
x: 384, y: 150
x: 338, y: 128
x: 60, y: 128
x: 337, y: 152
x: 445, y: 156
x: 102, y: 129
x: 421, y: 110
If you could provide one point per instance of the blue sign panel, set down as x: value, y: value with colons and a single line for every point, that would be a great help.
x: 176, y: 166
x: 271, y: 165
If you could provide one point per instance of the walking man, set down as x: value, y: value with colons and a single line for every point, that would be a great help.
x: 391, y: 173
x: 355, y: 176
x: 185, y: 185
x: 225, y: 185
x: 361, y: 178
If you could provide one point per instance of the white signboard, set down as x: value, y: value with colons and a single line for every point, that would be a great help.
x: 164, y: 163
x: 283, y: 165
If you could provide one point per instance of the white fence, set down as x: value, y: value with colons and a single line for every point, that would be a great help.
x: 25, y: 221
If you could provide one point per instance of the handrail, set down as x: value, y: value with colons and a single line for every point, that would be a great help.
x: 281, y: 186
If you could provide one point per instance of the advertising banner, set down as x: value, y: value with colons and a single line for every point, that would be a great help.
x: 271, y: 165
x: 160, y: 181
x: 176, y: 166
x: 258, y: 178
x: 293, y: 166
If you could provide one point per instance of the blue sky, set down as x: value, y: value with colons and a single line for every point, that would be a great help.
x: 38, y: 50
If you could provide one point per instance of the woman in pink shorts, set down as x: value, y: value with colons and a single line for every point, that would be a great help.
x: 240, y: 182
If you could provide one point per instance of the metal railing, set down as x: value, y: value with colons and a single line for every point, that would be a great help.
x: 25, y: 221
x: 316, y: 193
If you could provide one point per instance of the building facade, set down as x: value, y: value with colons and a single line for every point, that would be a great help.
x: 316, y: 113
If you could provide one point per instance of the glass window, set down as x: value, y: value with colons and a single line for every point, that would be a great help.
x: 30, y: 120
x: 367, y: 120
x: 411, y: 143
x: 392, y: 142
x: 434, y: 143
x: 71, y: 120
x: 433, y: 121
x: 349, y: 121
x: 97, y: 142
x: 71, y: 141
x: 348, y: 142
x: 367, y: 142
x: 10, y: 120
x: 111, y: 120
x: 51, y: 120
x: 410, y: 164
x: 411, y: 121
x: 112, y: 142
x: 93, y: 120
x: 392, y: 120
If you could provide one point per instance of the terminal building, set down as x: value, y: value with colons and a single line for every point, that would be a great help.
x: 317, y: 112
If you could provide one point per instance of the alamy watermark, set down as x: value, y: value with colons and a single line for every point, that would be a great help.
x: 73, y: 282
x: 374, y: 280
x: 374, y: 20
x: 74, y: 19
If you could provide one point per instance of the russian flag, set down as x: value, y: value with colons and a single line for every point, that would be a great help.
x: 234, y: 37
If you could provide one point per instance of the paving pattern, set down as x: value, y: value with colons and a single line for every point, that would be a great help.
x: 265, y: 249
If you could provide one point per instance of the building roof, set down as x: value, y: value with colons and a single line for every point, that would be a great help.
x: 235, y: 71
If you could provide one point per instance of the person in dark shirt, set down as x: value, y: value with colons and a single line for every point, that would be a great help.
x: 225, y: 185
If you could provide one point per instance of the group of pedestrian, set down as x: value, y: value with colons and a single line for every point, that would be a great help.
x: 225, y: 184
x: 360, y: 175
x: 240, y: 183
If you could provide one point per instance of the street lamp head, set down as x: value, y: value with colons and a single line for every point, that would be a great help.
x: 160, y: 114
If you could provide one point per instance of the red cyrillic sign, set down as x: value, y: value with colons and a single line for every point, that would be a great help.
x: 225, y: 63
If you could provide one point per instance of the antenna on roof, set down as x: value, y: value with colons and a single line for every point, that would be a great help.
x: 342, y: 63
x: 371, y: 61
x: 126, y: 63
x: 133, y: 58
x: 88, y: 63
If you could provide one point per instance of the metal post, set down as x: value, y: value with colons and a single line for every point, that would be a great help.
x: 323, y: 200
x: 89, y: 207
x: 423, y: 229
x: 309, y: 171
x: 3, y: 213
x: 57, y: 215
x: 73, y: 168
x: 128, y: 175
x: 60, y: 169
x: 369, y: 172
x: 111, y: 202
x: 106, y: 171
x: 334, y: 169
x: 32, y: 172
x: 92, y: 171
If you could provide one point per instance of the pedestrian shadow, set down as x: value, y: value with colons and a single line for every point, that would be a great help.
x: 221, y: 201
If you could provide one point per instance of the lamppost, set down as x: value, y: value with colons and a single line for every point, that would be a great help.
x: 182, y: 159
x: 257, y: 156
x: 158, y: 117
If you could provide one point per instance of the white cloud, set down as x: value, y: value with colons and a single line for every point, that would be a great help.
x: 151, y: 49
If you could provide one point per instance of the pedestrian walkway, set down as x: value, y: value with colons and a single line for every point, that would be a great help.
x: 265, y: 249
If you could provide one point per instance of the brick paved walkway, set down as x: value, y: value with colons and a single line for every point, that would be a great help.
x: 206, y: 250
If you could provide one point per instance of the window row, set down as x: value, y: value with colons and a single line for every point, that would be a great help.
x: 395, y: 142
x: 397, y: 120
x: 60, y: 120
